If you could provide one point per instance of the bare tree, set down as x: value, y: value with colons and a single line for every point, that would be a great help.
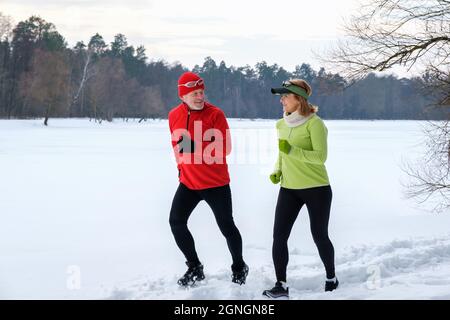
x: 430, y: 175
x: 150, y: 103
x: 6, y: 26
x: 388, y: 33
x: 105, y: 88
x: 46, y: 84
x: 5, y: 35
x: 86, y: 74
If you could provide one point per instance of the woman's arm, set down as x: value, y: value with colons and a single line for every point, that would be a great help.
x: 318, y: 154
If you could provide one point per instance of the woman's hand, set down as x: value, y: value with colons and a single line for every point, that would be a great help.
x: 275, y: 177
x: 284, y: 146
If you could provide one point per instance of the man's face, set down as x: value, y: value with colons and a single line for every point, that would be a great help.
x: 195, y: 99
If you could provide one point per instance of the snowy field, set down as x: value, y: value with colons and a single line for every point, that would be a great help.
x: 84, y: 215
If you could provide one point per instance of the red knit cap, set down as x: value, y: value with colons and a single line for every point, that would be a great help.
x: 186, y: 78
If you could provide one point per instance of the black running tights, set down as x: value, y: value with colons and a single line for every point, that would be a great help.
x: 219, y: 199
x: 290, y: 201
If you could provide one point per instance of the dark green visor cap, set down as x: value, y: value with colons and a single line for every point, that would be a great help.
x: 290, y: 88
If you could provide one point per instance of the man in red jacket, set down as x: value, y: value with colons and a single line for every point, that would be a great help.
x: 201, y: 141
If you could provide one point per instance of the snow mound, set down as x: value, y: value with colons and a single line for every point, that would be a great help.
x: 401, y: 269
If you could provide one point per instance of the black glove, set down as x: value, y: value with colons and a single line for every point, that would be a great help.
x: 186, y: 144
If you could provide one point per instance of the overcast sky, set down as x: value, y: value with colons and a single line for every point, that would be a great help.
x: 236, y: 31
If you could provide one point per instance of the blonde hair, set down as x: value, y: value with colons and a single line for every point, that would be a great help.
x: 305, y: 108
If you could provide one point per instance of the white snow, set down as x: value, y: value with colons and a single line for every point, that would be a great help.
x: 84, y: 210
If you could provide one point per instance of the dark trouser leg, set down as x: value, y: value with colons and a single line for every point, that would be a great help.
x: 219, y: 199
x: 318, y: 202
x: 184, y: 202
x: 288, y: 207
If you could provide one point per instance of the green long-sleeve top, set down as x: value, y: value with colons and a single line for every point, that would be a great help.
x: 304, y: 166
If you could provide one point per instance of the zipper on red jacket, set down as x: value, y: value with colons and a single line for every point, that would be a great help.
x: 187, y: 122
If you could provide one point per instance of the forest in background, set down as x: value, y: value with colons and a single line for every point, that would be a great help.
x: 41, y: 76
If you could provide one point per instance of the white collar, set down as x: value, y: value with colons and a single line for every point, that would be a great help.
x: 295, y: 119
x: 195, y: 108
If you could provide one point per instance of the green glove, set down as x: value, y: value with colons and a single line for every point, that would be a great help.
x: 284, y: 146
x: 275, y: 177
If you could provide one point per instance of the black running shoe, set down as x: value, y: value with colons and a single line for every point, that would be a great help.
x: 193, y: 274
x: 331, y: 285
x: 277, y: 292
x: 239, y: 274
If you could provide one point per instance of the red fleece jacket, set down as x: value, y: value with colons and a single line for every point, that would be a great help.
x: 205, y: 167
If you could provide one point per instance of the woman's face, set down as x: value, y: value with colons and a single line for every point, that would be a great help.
x: 289, y: 102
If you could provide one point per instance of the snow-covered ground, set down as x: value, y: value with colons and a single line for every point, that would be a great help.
x: 84, y: 210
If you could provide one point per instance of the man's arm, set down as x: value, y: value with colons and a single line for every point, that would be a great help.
x: 221, y: 123
x: 174, y: 141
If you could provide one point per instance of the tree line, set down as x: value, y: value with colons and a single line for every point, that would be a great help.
x: 40, y: 76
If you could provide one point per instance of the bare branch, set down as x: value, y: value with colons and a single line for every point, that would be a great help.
x: 388, y: 33
x: 392, y: 32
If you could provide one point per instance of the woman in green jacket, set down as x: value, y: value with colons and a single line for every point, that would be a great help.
x: 302, y: 144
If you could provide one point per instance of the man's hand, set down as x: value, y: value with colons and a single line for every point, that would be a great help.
x: 186, y: 145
